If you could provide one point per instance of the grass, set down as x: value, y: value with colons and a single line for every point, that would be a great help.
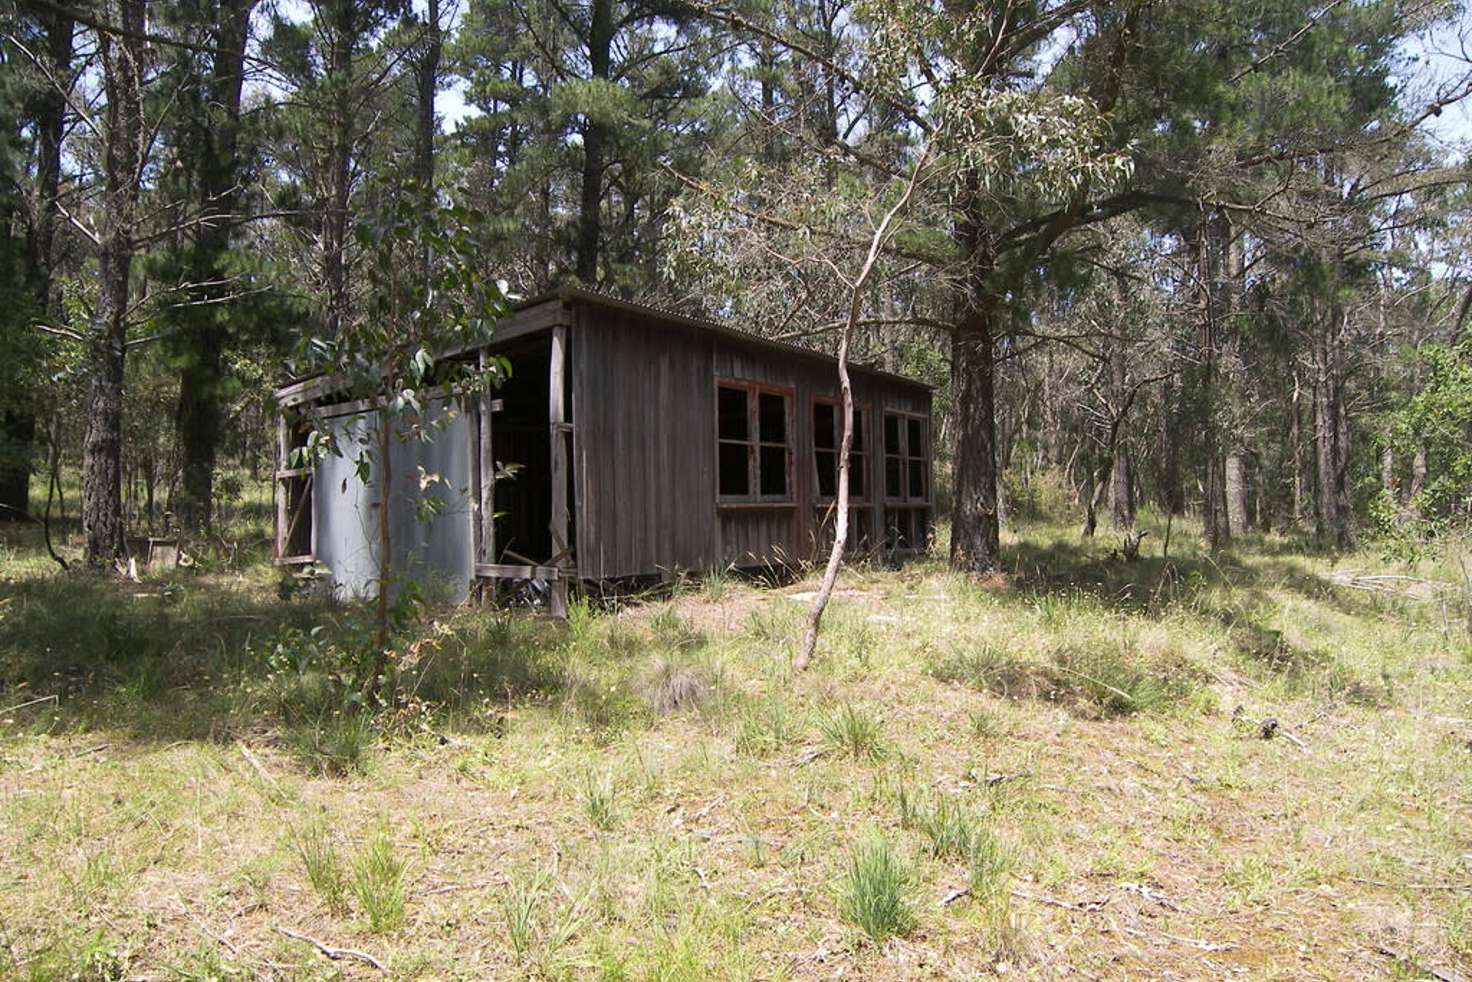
x: 654, y: 794
x: 377, y: 882
x: 599, y: 801
x: 854, y: 731
x: 319, y: 858
x: 877, y: 889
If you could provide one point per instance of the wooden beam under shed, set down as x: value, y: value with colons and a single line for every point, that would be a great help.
x: 508, y: 571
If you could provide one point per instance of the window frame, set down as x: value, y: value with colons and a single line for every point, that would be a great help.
x: 866, y: 427
x: 291, y: 436
x: 754, y: 443
x: 906, y: 458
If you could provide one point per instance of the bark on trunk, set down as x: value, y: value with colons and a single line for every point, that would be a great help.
x: 335, y: 222
x: 595, y: 147
x: 1331, y: 438
x: 975, y: 535
x: 102, y: 445
x: 1173, y: 494
x: 199, y: 412
x: 1122, y: 490
x: 1418, y: 481
x: 17, y: 447
x: 975, y: 530
x: 1301, y: 478
x: 1212, y: 258
x: 1238, y: 520
x: 1121, y: 471
x: 18, y: 426
x: 1387, y: 473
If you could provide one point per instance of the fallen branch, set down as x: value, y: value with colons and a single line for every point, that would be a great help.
x: 26, y: 705
x: 335, y: 954
x: 255, y: 763
x: 1268, y: 728
x: 1180, y: 939
x: 1411, y: 886
x: 1087, y: 907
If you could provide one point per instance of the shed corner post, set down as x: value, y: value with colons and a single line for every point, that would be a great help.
x: 557, y: 427
x: 483, y: 527
x: 278, y: 487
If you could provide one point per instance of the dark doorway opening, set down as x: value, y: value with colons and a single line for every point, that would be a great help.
x: 520, y: 438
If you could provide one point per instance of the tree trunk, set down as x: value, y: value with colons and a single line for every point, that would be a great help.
x: 1418, y: 481
x: 975, y: 530
x: 1122, y: 490
x: 1236, y: 485
x: 335, y: 224
x: 1387, y: 473
x: 1301, y: 478
x: 1121, y: 472
x: 18, y: 425
x: 1173, y: 494
x: 1331, y: 437
x: 102, y: 445
x: 17, y: 448
x: 197, y: 418
x: 975, y: 533
x: 1212, y: 260
x: 595, y: 147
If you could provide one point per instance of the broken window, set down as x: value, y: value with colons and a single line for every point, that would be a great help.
x: 906, y: 458
x: 753, y: 443
x: 293, y: 492
x: 906, y: 482
x: 828, y: 441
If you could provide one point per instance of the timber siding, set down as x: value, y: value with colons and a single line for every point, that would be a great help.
x: 637, y: 422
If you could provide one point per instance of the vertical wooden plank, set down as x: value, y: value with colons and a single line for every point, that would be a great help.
x: 278, y: 487
x: 485, y: 472
x: 555, y: 419
x: 473, y: 417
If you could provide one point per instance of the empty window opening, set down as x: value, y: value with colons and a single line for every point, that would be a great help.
x: 827, y: 442
x: 906, y: 458
x: 753, y: 443
x: 294, y: 480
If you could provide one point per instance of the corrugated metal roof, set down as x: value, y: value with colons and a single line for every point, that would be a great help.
x: 570, y: 295
x: 581, y: 295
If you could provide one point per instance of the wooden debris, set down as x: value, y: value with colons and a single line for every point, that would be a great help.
x: 1268, y: 728
x: 1154, y: 896
x: 1087, y: 907
x: 27, y: 705
x: 335, y: 954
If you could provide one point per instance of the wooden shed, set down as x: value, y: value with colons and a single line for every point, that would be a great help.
x: 649, y: 443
